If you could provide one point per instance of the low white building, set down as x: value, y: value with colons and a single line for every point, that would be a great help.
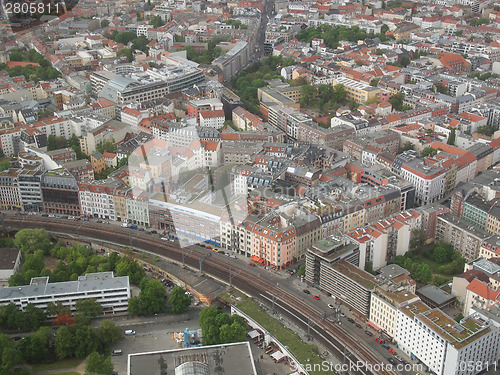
x: 214, y: 119
x: 111, y: 292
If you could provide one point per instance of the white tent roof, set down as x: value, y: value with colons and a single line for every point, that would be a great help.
x: 278, y: 355
x: 253, y: 334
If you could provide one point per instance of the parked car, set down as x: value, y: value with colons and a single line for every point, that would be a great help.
x: 154, y: 232
x: 391, y: 361
x: 379, y: 340
x: 116, y: 352
x: 316, y: 298
x: 99, y: 221
x: 358, y: 325
x: 385, y: 346
x: 368, y: 333
x: 331, y: 306
x: 392, y: 351
x: 306, y: 291
x: 133, y: 226
x: 399, y: 358
x: 129, y: 332
x: 342, y: 315
x: 251, y: 264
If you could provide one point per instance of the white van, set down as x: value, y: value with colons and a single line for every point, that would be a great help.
x: 124, y: 224
x: 116, y: 352
x: 129, y: 332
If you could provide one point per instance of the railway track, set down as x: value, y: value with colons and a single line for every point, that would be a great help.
x: 341, y: 343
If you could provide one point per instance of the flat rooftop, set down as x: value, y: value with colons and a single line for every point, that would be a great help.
x: 457, y: 334
x: 220, y: 360
x: 435, y: 294
x: 40, y: 286
x: 357, y: 274
x: 415, y: 308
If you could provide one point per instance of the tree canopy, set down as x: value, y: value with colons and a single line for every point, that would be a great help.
x: 333, y: 35
x: 179, y: 301
x: 220, y: 328
x: 30, y: 240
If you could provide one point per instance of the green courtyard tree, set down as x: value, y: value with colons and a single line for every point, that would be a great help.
x: 108, y: 334
x: 98, y: 364
x: 30, y: 240
x: 179, y: 301
x: 220, y: 328
x: 65, y: 342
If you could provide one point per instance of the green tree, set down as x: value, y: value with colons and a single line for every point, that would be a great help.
x: 219, y: 328
x: 423, y: 273
x: 339, y: 93
x: 104, y: 23
x: 443, y: 252
x: 153, y: 296
x: 418, y: 239
x: 88, y: 307
x: 404, y: 61
x: 452, y: 137
x: 397, y: 101
x: 128, y: 266
x: 98, y: 364
x: 86, y: 341
x: 56, y: 143
x: 156, y: 22
x: 302, y: 270
x: 65, y: 342
x: 9, y: 357
x: 127, y: 53
x: 107, y: 145
x: 428, y: 151
x: 308, y: 95
x: 5, y: 165
x: 374, y: 82
x: 108, y: 334
x: 34, y: 317
x: 30, y: 240
x: 179, y: 301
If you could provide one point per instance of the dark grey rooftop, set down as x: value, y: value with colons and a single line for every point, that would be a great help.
x: 221, y: 360
x: 8, y: 258
x: 435, y: 294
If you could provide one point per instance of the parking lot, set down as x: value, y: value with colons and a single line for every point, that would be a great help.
x: 152, y: 334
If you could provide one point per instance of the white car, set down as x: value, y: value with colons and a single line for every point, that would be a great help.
x: 331, y: 306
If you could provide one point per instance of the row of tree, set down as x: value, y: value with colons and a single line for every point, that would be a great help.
x: 152, y: 300
x: 75, y: 261
x: 219, y: 328
x: 333, y: 35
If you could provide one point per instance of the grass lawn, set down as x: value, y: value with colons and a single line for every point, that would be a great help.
x: 433, y: 264
x: 304, y: 352
x: 65, y: 363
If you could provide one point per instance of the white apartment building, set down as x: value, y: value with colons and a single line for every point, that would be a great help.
x: 234, y: 234
x: 137, y: 208
x: 133, y: 117
x: 385, y: 302
x: 97, y: 201
x: 428, y: 179
x: 111, y: 292
x: 214, y: 119
x: 443, y: 345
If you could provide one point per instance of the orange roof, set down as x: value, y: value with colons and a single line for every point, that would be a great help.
x: 11, y: 64
x: 483, y: 290
x: 471, y: 117
x: 212, y: 114
x: 211, y: 146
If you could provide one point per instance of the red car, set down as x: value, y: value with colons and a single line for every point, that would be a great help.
x: 378, y: 340
x: 392, y: 351
x: 316, y: 298
x: 251, y: 264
